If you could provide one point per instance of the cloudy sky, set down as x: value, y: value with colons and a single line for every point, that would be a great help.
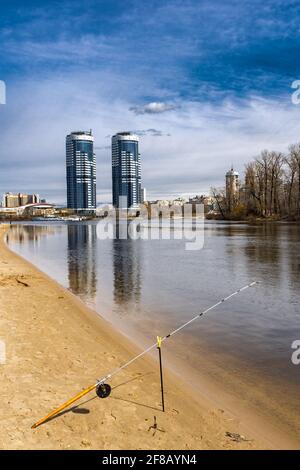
x: 205, y: 83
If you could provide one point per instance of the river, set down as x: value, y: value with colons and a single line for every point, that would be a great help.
x: 149, y: 287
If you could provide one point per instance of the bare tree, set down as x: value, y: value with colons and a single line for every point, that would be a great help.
x: 293, y: 162
x: 219, y: 197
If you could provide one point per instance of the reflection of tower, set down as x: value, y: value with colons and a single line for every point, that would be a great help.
x: 127, y: 270
x: 82, y: 260
x: 232, y: 188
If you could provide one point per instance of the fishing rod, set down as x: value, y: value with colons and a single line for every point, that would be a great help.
x: 103, y: 389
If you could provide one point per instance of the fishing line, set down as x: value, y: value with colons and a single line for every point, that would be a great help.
x: 164, y: 338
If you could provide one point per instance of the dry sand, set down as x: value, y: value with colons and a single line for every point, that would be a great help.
x: 56, y: 346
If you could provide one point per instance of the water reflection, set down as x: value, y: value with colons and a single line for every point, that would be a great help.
x: 82, y: 255
x: 126, y: 260
x: 274, y: 249
x: 264, y: 244
x: 22, y: 234
x: 161, y: 281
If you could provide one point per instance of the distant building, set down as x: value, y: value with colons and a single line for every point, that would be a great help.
x: 207, y: 201
x: 144, y: 195
x: 126, y: 170
x: 162, y: 202
x: 29, y: 210
x: 29, y: 199
x: 232, y: 188
x: 11, y: 200
x: 39, y: 210
x: 179, y: 201
x: 81, y: 171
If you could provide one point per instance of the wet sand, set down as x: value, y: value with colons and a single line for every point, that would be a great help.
x: 56, y: 346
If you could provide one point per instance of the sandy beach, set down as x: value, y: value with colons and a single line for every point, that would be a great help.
x: 56, y: 346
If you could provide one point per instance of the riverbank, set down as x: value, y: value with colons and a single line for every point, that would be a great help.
x: 254, y: 220
x: 56, y: 346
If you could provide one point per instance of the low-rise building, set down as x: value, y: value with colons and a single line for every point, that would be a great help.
x: 39, y: 210
x: 208, y: 202
x: 11, y: 200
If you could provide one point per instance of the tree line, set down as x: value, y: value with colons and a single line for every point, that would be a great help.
x: 271, y: 188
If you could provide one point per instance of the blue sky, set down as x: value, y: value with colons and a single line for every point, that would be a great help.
x: 205, y: 83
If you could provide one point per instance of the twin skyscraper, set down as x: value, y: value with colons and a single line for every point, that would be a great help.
x: 81, y: 171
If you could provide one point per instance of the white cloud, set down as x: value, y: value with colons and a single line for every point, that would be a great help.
x: 153, y: 108
x: 153, y: 132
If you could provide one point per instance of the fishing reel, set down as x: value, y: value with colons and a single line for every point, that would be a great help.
x: 103, y: 390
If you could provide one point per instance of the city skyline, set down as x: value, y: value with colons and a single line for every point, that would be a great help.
x: 197, y: 80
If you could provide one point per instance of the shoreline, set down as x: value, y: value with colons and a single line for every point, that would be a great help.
x: 56, y: 346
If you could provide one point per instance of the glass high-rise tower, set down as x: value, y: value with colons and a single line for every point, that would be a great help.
x: 126, y: 170
x: 81, y: 171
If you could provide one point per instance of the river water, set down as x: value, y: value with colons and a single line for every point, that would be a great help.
x: 149, y: 287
